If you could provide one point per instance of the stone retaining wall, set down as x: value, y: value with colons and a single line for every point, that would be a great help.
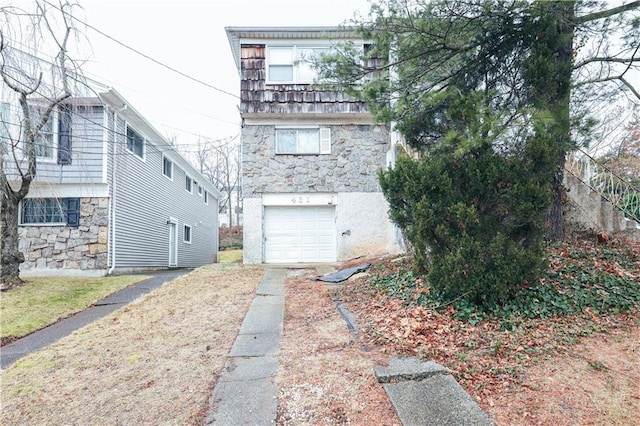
x: 63, y: 247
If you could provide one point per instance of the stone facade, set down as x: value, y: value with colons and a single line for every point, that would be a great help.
x: 62, y: 247
x: 357, y: 153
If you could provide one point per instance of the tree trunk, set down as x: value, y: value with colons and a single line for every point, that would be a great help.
x: 11, y: 257
x: 556, y: 97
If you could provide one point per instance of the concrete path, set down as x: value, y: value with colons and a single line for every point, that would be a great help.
x: 42, y: 338
x: 246, y: 393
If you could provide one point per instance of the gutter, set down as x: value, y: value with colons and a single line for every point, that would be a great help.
x: 112, y: 205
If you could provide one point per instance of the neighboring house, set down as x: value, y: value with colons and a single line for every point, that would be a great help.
x: 112, y: 195
x: 310, y: 156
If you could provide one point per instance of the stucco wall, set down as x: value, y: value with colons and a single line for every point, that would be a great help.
x: 357, y: 153
x: 61, y: 250
x: 252, y: 230
x: 364, y: 227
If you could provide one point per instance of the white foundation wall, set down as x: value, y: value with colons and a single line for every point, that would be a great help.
x: 252, y: 236
x: 364, y: 227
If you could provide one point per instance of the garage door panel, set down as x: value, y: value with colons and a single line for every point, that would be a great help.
x: 300, y: 234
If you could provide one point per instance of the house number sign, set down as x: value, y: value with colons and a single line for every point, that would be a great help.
x: 300, y: 200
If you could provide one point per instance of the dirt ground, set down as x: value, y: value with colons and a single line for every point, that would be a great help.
x: 157, y: 360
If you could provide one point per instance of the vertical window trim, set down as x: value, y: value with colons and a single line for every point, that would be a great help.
x: 187, y: 230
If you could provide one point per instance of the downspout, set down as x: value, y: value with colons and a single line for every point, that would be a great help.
x: 113, y: 190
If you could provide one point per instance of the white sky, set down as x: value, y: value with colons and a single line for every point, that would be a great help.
x: 188, y: 36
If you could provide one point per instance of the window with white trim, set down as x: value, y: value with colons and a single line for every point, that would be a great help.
x: 46, y: 140
x: 200, y: 190
x: 167, y: 167
x: 188, y: 184
x: 58, y: 211
x: 293, y: 64
x: 186, y: 235
x: 135, y: 143
x: 311, y: 140
x: 206, y: 197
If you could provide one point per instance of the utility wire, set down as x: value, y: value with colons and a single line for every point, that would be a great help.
x: 143, y: 54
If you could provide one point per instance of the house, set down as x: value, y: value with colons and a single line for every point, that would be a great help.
x: 310, y: 156
x: 111, y: 195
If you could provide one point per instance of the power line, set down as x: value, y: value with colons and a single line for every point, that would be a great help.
x: 143, y: 54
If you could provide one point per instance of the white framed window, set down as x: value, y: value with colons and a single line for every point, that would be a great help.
x: 167, y: 167
x: 293, y: 64
x: 206, y: 197
x: 303, y: 140
x: 186, y: 235
x: 50, y: 211
x: 135, y: 143
x: 188, y: 184
x: 46, y: 140
x: 200, y: 190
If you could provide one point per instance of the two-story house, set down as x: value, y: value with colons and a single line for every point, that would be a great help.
x: 111, y: 194
x: 310, y: 156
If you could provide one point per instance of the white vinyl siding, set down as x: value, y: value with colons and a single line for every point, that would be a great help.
x: 299, y: 234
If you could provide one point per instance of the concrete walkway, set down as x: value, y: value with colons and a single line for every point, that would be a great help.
x: 422, y: 393
x: 246, y: 393
x: 48, y: 335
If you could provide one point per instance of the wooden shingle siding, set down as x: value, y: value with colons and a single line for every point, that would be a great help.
x: 258, y: 97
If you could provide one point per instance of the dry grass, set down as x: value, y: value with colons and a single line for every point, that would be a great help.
x: 326, y: 375
x: 153, y: 362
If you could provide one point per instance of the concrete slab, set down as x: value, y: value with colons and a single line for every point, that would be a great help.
x: 253, y: 368
x: 408, y: 369
x: 263, y: 319
x: 253, y: 402
x: 273, y: 282
x: 436, y: 400
x: 268, y: 299
x: 260, y: 344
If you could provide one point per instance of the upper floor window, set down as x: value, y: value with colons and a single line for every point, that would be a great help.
x: 188, y: 184
x: 303, y: 140
x: 167, y: 167
x: 293, y: 64
x: 45, y: 142
x: 206, y: 197
x: 135, y: 142
x: 50, y: 211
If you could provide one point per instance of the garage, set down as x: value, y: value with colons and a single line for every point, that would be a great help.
x: 296, y: 234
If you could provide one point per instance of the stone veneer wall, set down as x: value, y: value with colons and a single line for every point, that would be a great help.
x: 62, y: 247
x: 357, y: 153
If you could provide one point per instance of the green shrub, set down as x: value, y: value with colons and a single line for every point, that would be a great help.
x: 475, y: 221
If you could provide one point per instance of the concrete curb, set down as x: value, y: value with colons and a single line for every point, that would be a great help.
x: 425, y: 393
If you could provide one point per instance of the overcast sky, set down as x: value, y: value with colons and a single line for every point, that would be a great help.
x: 190, y: 37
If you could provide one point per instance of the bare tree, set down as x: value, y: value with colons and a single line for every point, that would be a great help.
x: 35, y: 85
x: 219, y: 161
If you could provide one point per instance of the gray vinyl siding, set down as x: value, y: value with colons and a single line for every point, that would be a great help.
x: 87, y: 134
x: 145, y: 200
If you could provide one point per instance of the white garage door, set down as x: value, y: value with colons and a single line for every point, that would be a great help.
x: 299, y: 234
